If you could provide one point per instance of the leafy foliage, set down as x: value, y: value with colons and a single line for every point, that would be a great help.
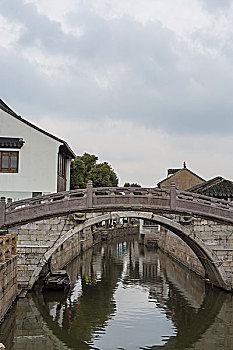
x: 127, y: 184
x: 103, y: 175
x: 77, y: 170
x: 84, y: 168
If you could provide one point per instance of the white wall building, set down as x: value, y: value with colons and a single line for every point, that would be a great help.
x: 32, y: 161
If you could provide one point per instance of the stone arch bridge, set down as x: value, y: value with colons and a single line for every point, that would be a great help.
x: 204, y: 223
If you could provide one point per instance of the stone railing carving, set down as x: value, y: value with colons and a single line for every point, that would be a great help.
x: 112, y: 199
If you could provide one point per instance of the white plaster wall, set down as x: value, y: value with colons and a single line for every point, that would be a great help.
x: 37, y: 160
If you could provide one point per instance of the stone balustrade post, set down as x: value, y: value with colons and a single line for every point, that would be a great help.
x: 173, y: 195
x: 2, y: 211
x: 163, y: 188
x: 89, y: 194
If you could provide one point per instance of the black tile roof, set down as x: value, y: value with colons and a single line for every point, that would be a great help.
x: 217, y: 187
x: 8, y: 110
x: 172, y: 171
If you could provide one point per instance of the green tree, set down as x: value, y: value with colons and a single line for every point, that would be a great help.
x: 127, y: 184
x: 89, y: 161
x: 84, y: 168
x: 77, y: 170
x: 103, y: 175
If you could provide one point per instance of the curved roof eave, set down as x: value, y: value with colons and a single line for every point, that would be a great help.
x: 8, y: 110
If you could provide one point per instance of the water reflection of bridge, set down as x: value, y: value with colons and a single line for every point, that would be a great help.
x: 193, y: 308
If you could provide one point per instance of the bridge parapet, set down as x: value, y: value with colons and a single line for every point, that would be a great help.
x: 204, y: 205
x: 113, y: 198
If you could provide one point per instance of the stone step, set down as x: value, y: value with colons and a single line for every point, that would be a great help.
x: 217, y: 248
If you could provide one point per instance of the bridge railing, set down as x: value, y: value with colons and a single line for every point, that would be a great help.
x: 129, y: 197
x: 49, y: 198
x: 133, y: 191
x: 112, y: 198
x: 204, y: 205
x: 82, y: 193
x: 205, y: 200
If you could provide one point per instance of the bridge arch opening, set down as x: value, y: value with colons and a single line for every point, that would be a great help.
x: 210, y: 305
x: 214, y: 272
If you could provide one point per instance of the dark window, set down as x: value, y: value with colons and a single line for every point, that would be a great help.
x: 62, y: 165
x: 149, y: 223
x: 9, y: 162
x: 36, y: 194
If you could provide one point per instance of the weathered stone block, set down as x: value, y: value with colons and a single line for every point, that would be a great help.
x: 23, y: 237
x: 23, y: 232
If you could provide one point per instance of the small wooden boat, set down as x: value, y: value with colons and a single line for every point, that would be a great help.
x: 57, y: 280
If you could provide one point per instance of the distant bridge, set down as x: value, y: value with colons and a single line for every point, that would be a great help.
x: 204, y: 223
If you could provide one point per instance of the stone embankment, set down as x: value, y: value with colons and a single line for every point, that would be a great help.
x: 167, y: 241
x: 180, y: 251
x: 8, y: 272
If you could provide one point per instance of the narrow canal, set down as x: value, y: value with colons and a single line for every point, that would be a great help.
x: 123, y: 296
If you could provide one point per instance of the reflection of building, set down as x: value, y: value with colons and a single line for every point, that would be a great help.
x: 149, y: 232
x: 183, y: 178
x: 32, y: 161
x: 149, y: 270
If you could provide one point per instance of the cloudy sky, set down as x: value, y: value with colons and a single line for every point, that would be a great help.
x: 144, y: 84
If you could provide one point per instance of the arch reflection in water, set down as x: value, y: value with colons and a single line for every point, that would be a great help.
x: 124, y: 296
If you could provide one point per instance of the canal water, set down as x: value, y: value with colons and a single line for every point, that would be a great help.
x: 123, y: 296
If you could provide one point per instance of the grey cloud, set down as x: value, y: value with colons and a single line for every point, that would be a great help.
x: 213, y: 5
x: 153, y: 84
x: 38, y: 29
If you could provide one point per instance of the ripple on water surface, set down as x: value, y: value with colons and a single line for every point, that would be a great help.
x: 137, y: 322
x: 123, y: 297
